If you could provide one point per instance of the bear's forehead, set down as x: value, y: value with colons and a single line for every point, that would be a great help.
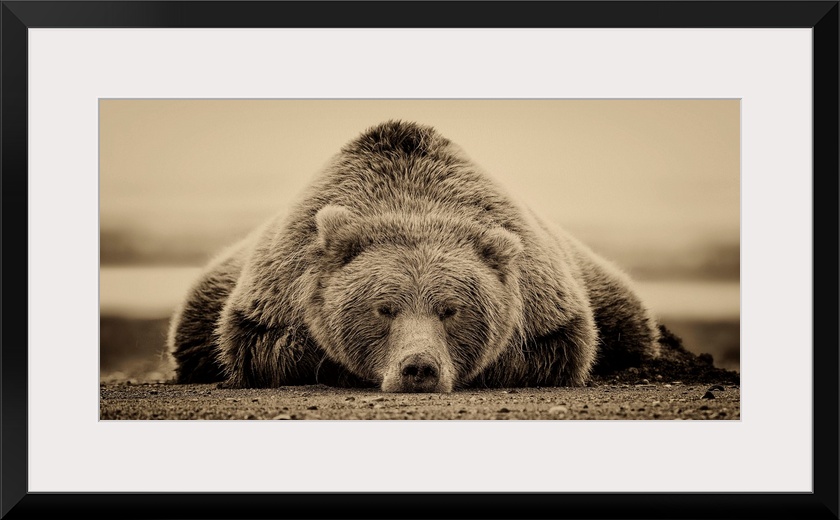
x: 420, y: 270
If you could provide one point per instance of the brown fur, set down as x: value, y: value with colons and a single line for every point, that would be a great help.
x: 403, y: 249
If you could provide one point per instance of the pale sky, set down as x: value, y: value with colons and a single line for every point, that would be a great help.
x: 651, y: 170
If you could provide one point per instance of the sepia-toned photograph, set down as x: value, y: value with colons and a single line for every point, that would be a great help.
x: 315, y: 259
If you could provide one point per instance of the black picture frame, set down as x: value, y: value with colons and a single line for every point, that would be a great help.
x: 19, y: 16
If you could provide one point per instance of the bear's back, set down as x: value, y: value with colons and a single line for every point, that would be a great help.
x: 409, y: 168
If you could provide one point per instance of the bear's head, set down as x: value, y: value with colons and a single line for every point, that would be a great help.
x: 416, y: 303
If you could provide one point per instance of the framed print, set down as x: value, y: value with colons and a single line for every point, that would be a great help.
x: 123, y: 121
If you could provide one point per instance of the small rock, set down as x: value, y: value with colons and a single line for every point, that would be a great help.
x: 313, y: 407
x: 153, y: 392
x: 255, y: 400
x: 232, y: 399
x: 558, y: 409
x: 378, y: 399
x: 708, y: 395
x: 704, y: 407
x: 659, y: 377
x: 349, y: 398
x: 633, y: 370
x: 503, y: 410
x: 644, y: 382
x: 715, y: 387
x: 462, y: 411
x: 282, y: 417
x: 511, y: 391
x: 666, y: 385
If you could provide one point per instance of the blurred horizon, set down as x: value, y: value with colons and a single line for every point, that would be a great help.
x: 713, y: 258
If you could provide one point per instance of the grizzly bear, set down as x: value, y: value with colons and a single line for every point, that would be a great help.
x: 405, y: 267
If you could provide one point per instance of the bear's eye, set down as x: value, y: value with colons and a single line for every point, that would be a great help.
x: 447, y: 312
x: 388, y: 311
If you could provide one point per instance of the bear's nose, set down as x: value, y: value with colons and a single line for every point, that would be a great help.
x: 419, y: 373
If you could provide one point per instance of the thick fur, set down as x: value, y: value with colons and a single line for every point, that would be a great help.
x: 403, y: 246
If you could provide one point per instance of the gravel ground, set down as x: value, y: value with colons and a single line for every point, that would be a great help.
x: 658, y: 400
x: 677, y: 385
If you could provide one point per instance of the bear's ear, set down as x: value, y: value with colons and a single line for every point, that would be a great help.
x: 499, y: 247
x: 331, y: 223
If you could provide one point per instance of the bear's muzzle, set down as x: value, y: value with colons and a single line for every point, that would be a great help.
x: 419, y: 360
x: 419, y: 373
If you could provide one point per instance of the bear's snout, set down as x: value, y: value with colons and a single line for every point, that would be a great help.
x: 419, y: 360
x: 419, y: 373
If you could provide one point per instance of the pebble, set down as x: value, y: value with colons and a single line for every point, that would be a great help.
x: 378, y: 399
x: 667, y: 385
x: 349, y: 398
x: 313, y: 407
x: 558, y: 409
x: 503, y: 410
x: 708, y: 395
x: 282, y: 417
x: 715, y: 387
x: 645, y: 382
x: 704, y: 407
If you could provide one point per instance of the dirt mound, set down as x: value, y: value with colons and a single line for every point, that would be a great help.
x: 674, y: 364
